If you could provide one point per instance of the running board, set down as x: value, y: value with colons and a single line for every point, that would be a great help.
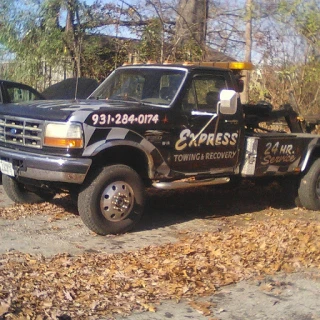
x: 189, y: 183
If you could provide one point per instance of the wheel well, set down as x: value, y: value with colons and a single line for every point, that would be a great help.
x: 313, y: 157
x: 130, y: 156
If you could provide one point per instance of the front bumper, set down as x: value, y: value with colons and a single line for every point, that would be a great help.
x: 46, y: 168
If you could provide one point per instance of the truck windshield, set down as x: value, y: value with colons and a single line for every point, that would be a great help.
x: 148, y: 85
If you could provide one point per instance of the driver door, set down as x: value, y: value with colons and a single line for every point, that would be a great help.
x: 205, y: 140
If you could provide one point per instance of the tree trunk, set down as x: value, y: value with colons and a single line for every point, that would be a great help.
x: 191, y: 23
x: 73, y: 29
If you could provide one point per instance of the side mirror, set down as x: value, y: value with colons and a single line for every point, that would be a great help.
x: 228, y: 102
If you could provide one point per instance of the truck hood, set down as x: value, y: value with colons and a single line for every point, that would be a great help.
x: 61, y: 110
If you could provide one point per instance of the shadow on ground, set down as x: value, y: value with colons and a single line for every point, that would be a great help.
x: 165, y: 208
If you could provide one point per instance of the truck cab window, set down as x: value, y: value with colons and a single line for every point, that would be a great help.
x: 20, y: 94
x: 141, y: 84
x: 204, y: 93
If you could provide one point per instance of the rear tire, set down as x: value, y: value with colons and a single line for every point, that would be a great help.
x: 112, y: 200
x: 18, y: 192
x: 309, y: 188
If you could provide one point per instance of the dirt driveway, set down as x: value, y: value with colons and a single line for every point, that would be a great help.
x: 52, y: 229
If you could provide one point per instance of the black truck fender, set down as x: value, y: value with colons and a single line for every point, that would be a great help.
x: 312, y: 153
x: 132, y: 145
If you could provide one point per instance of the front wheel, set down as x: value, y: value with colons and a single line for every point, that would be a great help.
x: 112, y: 200
x: 19, y: 193
x: 309, y: 188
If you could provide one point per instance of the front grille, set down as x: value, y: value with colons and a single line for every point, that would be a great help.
x: 21, y: 131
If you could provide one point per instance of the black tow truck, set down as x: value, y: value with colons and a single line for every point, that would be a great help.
x: 161, y: 126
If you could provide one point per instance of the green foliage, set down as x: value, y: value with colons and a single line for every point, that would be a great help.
x: 33, y: 36
x: 100, y: 55
x: 151, y: 44
x: 307, y: 20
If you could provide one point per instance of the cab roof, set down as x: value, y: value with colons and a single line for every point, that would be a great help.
x: 228, y: 65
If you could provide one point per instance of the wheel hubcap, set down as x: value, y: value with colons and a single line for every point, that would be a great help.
x: 117, y: 200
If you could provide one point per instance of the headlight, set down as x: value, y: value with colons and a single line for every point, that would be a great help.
x: 63, y: 135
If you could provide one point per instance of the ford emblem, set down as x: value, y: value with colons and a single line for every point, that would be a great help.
x: 13, y: 131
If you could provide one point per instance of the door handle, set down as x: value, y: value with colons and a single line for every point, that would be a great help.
x: 231, y: 121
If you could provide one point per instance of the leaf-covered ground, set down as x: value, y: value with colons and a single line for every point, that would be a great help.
x: 96, y: 286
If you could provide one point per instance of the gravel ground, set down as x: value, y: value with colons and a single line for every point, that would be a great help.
x: 282, y: 296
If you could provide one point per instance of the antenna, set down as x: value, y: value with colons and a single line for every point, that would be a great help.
x: 76, y: 88
x: 77, y: 75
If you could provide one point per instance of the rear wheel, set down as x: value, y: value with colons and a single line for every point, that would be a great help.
x: 112, y: 200
x: 309, y: 188
x: 19, y: 193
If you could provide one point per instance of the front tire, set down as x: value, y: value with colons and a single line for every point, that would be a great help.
x: 112, y: 200
x: 309, y: 189
x: 18, y: 192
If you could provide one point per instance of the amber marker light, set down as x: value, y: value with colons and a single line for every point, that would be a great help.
x: 63, y: 135
x: 235, y: 65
